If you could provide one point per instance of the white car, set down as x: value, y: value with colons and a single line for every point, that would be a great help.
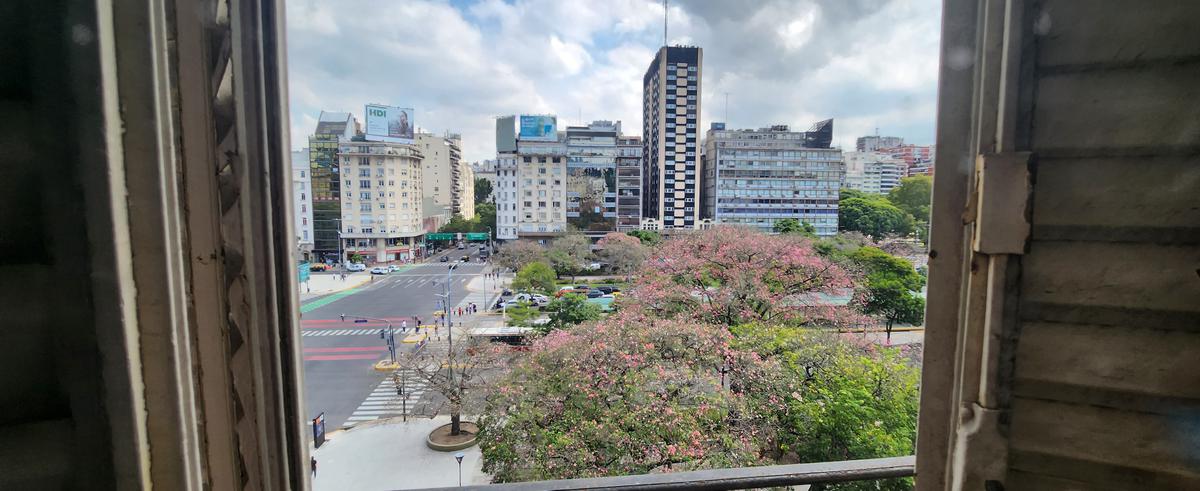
x: 379, y: 270
x: 356, y: 267
x: 533, y: 298
x: 392, y: 268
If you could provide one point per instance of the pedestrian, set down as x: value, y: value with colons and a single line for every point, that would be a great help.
x: 313, y: 464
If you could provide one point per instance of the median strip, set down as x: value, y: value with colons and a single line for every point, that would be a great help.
x: 326, y: 300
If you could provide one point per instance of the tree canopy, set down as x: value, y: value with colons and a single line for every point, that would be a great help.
x: 515, y: 255
x: 873, y: 216
x: 569, y: 310
x: 536, y: 276
x: 794, y: 226
x: 648, y: 237
x: 623, y: 253
x: 483, y: 190
x: 569, y: 253
x: 914, y: 195
x: 892, y: 288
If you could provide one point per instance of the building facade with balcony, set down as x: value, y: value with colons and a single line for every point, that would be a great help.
x: 629, y: 183
x: 758, y: 177
x: 382, y: 218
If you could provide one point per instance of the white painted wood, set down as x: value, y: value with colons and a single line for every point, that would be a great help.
x: 1088, y: 31
x: 1121, y: 192
x: 1143, y: 276
x: 1134, y: 360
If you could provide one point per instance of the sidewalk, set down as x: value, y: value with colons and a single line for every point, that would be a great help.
x: 325, y: 283
x: 390, y: 454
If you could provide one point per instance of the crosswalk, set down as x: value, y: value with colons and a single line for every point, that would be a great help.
x: 340, y: 332
x: 385, y: 402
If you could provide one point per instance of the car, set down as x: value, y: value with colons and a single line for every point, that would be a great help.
x: 571, y: 289
x: 392, y: 268
x: 594, y: 294
x: 379, y: 270
x: 465, y: 258
x: 444, y: 259
x: 605, y: 289
x: 319, y: 267
x: 356, y: 267
x: 461, y: 246
x: 533, y: 298
x: 506, y: 292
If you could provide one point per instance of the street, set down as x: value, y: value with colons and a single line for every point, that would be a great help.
x: 339, y: 378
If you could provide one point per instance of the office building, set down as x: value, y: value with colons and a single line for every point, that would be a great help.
x: 381, y: 201
x: 333, y: 129
x: 918, y: 159
x: 758, y: 177
x: 531, y: 179
x: 876, y: 142
x: 592, y: 177
x: 671, y: 165
x: 302, y: 205
x: 873, y: 172
x: 629, y: 183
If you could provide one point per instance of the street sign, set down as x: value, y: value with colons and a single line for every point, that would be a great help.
x: 477, y: 236
x: 318, y: 427
x: 439, y: 236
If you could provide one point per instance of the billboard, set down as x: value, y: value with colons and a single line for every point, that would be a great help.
x: 539, y: 127
x: 389, y: 123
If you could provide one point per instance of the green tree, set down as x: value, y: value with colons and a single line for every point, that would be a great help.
x: 873, y: 216
x: 569, y: 310
x: 794, y: 226
x: 892, y: 289
x: 623, y: 253
x: 522, y: 315
x: 835, y: 400
x: 649, y: 238
x: 914, y: 195
x: 485, y: 215
x: 356, y: 258
x: 483, y: 191
x: 457, y: 224
x: 535, y: 276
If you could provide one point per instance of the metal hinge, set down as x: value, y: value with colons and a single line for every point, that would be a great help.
x: 1001, y: 203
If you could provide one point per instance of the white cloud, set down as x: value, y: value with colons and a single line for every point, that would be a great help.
x: 865, y: 63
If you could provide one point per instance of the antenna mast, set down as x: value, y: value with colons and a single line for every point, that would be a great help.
x: 665, y: 22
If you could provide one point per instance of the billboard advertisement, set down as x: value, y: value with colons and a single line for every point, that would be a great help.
x: 389, y: 123
x: 539, y: 127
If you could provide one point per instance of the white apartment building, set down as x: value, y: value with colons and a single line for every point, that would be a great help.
x: 464, y: 190
x: 531, y: 199
x: 443, y: 176
x: 381, y: 201
x: 302, y: 204
x: 504, y: 194
x: 873, y: 172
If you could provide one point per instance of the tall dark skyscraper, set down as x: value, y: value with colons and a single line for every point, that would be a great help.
x: 671, y: 167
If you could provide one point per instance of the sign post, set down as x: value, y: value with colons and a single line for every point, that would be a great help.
x: 318, y: 428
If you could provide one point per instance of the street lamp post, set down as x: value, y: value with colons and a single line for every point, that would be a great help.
x: 389, y: 334
x: 459, y: 456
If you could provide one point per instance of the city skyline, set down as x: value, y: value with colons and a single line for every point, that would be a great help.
x: 463, y: 63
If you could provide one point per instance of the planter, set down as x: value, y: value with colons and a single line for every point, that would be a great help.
x: 439, y: 439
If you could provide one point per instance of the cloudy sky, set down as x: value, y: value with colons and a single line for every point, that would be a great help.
x: 865, y: 63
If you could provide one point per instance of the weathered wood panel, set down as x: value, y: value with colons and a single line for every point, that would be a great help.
x: 1106, y: 436
x: 1091, y: 31
x: 1136, y: 360
x: 1148, y: 108
x: 1120, y: 192
x: 1144, y: 276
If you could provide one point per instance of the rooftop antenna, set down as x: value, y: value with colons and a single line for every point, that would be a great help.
x: 665, y: 22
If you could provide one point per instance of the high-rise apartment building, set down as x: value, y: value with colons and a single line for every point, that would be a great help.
x: 876, y: 142
x: 464, y: 190
x: 443, y: 176
x: 670, y: 148
x: 758, y: 177
x: 918, y: 159
x: 629, y: 183
x: 302, y: 204
x: 531, y: 197
x: 873, y: 172
x: 381, y: 200
x: 333, y: 128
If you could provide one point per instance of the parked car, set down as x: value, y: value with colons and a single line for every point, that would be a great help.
x: 444, y: 258
x: 605, y: 289
x: 594, y: 294
x: 392, y: 268
x: 319, y: 267
x: 356, y: 267
x: 506, y: 292
x: 571, y: 289
x: 533, y: 298
x: 379, y: 270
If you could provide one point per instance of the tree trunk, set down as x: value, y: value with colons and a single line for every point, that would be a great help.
x: 455, y: 425
x: 889, y: 333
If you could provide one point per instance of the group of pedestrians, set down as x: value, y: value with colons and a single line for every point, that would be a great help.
x: 471, y: 308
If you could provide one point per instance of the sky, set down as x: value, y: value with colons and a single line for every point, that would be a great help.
x: 865, y: 63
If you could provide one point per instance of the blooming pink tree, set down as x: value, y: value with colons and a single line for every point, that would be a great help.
x: 627, y: 395
x: 731, y: 275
